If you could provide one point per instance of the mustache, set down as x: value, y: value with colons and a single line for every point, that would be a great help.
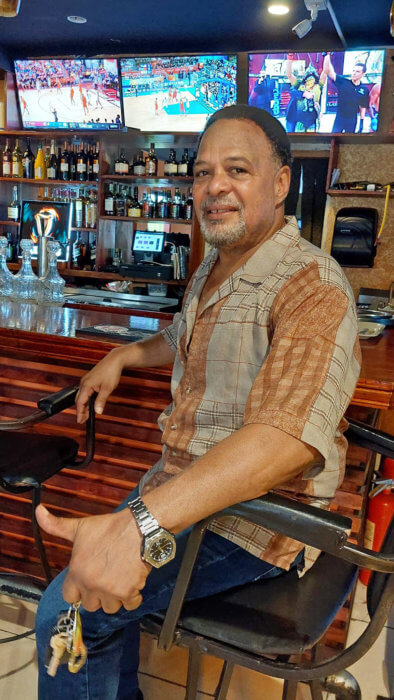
x: 211, y: 202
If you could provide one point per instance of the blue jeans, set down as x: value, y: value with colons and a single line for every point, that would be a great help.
x: 111, y: 668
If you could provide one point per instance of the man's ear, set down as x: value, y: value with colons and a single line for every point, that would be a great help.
x: 282, y: 184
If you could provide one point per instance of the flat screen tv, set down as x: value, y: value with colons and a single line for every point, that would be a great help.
x: 176, y: 93
x: 326, y: 92
x: 69, y: 93
x: 50, y: 219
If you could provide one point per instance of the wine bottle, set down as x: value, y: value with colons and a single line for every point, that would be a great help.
x: 28, y: 161
x: 120, y: 202
x: 188, y: 208
x: 81, y: 165
x: 78, y: 210
x: 109, y: 201
x: 39, y: 164
x: 151, y: 162
x: 73, y: 161
x: 52, y: 165
x: 135, y: 208
x: 65, y: 164
x: 89, y: 162
x: 13, y: 208
x: 17, y: 167
x: 96, y: 163
x: 176, y: 205
x: 7, y: 160
x: 91, y: 210
x: 190, y: 167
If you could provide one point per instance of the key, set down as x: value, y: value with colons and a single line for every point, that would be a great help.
x: 58, y: 644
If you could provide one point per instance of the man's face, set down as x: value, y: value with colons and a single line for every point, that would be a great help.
x: 357, y: 73
x: 236, y: 191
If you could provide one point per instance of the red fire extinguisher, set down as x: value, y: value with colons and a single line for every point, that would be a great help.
x: 380, y: 512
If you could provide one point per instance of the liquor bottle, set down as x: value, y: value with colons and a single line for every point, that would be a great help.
x: 17, y: 167
x: 64, y: 173
x: 96, y: 163
x: 176, y: 205
x: 47, y: 159
x: 81, y: 165
x: 120, y: 202
x: 91, y: 210
x: 171, y: 164
x: 135, y: 209
x: 89, y: 162
x: 139, y: 165
x: 145, y: 206
x: 52, y: 165
x: 39, y: 164
x: 152, y: 205
x: 151, y: 162
x: 121, y: 165
x: 58, y: 161
x: 72, y: 157
x: 13, y: 208
x: 183, y: 205
x: 78, y: 210
x: 7, y: 160
x: 162, y: 207
x: 109, y: 201
x: 28, y: 161
x: 190, y: 167
x: 188, y: 208
x: 183, y: 165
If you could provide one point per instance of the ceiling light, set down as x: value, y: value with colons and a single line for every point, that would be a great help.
x: 77, y: 19
x: 278, y: 9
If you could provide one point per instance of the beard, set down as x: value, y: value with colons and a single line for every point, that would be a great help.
x: 220, y: 234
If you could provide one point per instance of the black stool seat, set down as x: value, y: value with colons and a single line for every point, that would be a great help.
x: 282, y: 615
x: 28, y: 459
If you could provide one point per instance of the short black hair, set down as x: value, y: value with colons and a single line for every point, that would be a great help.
x: 363, y: 66
x: 271, y: 127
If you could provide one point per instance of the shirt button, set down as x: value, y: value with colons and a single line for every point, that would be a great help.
x: 173, y: 426
x: 188, y: 390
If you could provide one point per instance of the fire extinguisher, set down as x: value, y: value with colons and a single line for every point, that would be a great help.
x: 380, y: 512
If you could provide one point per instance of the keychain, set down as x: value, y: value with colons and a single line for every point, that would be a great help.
x: 66, y: 644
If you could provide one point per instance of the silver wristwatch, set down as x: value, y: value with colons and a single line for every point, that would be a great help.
x: 158, y: 545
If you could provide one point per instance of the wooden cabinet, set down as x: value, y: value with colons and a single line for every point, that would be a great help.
x: 111, y: 232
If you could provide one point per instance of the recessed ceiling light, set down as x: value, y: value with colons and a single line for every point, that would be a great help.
x: 76, y: 19
x: 278, y: 9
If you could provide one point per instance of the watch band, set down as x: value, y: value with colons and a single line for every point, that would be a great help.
x: 145, y: 520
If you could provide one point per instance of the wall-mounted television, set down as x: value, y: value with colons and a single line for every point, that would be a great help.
x: 49, y: 219
x: 325, y: 92
x: 69, y: 93
x: 176, y: 93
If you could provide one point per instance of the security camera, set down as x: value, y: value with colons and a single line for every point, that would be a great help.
x: 302, y: 28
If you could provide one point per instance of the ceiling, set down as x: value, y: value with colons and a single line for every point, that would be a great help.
x: 182, y: 26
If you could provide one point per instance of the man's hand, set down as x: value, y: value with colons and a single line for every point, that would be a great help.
x: 102, y: 379
x: 106, y: 570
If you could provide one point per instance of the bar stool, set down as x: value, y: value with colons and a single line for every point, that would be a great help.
x: 27, y: 460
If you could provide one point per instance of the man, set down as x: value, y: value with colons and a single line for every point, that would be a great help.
x: 303, y: 110
x: 353, y: 97
x: 265, y: 356
x: 262, y: 95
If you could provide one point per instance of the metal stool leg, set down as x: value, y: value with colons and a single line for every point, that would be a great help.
x: 193, y: 673
x: 224, y: 681
x: 36, y: 499
x: 289, y: 690
x: 316, y: 690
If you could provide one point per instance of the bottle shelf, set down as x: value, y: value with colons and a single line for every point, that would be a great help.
x: 82, y: 228
x: 145, y: 219
x: 66, y: 183
x: 357, y: 193
x: 148, y: 180
x: 9, y: 223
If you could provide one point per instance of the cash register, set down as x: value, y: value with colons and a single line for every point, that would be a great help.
x: 150, y: 260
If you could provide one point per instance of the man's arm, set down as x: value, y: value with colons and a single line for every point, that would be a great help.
x: 289, y: 72
x: 106, y: 569
x: 328, y: 67
x: 105, y: 376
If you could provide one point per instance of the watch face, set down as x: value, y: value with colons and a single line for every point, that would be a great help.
x: 160, y: 549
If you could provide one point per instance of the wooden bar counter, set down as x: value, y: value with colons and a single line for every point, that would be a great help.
x: 41, y: 352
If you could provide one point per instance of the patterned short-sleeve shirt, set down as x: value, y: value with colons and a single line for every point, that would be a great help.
x: 276, y: 344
